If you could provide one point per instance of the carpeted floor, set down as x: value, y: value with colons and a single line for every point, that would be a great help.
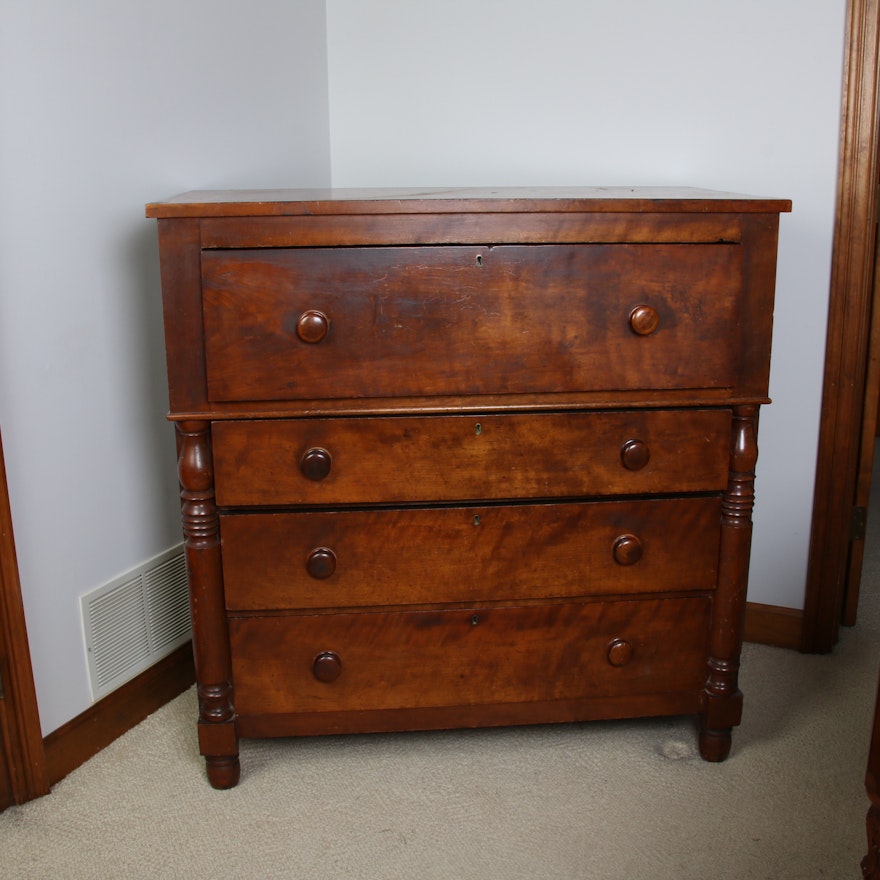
x: 604, y: 800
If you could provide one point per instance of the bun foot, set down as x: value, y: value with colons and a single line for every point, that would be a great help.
x: 715, y: 744
x: 223, y: 772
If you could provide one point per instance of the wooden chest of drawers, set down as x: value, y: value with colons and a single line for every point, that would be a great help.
x: 465, y: 458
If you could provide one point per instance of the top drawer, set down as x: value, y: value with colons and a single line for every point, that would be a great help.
x: 325, y: 323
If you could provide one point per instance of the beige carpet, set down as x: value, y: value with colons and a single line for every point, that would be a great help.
x: 610, y: 800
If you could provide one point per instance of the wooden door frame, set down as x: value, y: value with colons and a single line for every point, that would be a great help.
x: 849, y: 333
x: 19, y: 717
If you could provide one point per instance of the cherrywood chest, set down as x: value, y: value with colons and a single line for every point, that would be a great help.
x: 466, y: 457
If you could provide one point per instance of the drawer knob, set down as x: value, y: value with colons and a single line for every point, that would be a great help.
x: 316, y: 463
x: 635, y: 454
x: 321, y: 563
x: 327, y: 666
x: 620, y: 652
x: 643, y: 320
x: 312, y: 326
x: 627, y: 550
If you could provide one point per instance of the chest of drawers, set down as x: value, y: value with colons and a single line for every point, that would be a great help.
x: 465, y: 458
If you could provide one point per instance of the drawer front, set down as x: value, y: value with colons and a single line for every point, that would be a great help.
x: 324, y: 323
x: 468, y: 554
x: 393, y: 460
x: 400, y: 660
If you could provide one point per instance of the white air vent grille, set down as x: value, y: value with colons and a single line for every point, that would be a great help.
x: 135, y: 620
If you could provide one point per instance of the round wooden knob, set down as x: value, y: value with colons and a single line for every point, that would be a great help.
x: 643, y: 320
x: 627, y: 550
x: 312, y: 326
x: 327, y: 666
x: 321, y: 563
x: 620, y: 652
x: 635, y: 454
x: 316, y: 463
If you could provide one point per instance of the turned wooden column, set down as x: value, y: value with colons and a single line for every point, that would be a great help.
x: 723, y: 699
x: 218, y: 740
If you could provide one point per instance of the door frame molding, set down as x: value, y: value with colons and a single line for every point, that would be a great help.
x: 848, y: 335
x: 19, y: 717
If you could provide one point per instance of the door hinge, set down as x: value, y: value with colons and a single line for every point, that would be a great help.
x: 2, y: 688
x: 858, y: 524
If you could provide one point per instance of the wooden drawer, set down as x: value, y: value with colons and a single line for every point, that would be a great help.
x: 323, y: 323
x: 468, y: 554
x: 408, y: 660
x: 395, y: 460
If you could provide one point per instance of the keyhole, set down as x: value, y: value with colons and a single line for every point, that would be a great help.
x: 477, y: 520
x: 475, y: 620
x: 480, y: 260
x: 478, y: 429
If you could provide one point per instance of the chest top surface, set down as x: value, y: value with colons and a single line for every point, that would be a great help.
x: 329, y: 201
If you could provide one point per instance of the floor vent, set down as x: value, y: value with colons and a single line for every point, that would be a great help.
x: 135, y: 620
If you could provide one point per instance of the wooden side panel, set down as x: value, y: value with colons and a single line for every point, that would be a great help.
x: 180, y: 256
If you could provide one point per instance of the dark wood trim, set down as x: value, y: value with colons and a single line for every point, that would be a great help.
x: 19, y: 717
x: 773, y: 625
x: 82, y: 737
x: 848, y: 332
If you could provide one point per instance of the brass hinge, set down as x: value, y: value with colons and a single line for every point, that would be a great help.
x: 858, y: 524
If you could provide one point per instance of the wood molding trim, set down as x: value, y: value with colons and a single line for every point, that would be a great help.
x: 83, y: 737
x: 848, y: 332
x: 774, y: 625
x: 19, y: 716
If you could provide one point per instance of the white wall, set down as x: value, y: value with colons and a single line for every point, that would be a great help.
x: 105, y: 105
x: 737, y: 96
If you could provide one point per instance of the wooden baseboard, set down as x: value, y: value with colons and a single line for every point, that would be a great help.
x: 774, y: 625
x: 84, y: 736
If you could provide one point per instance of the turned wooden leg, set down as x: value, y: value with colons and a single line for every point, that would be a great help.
x: 218, y: 740
x: 723, y: 701
x: 715, y: 744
